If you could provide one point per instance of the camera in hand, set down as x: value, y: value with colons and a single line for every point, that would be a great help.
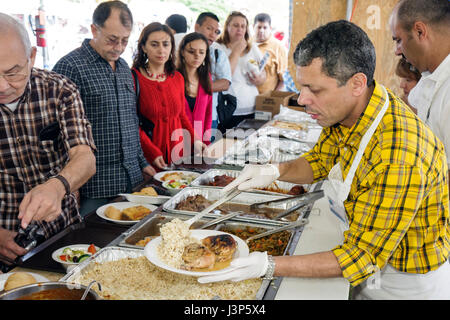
x: 29, y: 237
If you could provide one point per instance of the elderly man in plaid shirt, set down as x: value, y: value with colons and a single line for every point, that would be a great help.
x: 46, y: 145
x: 107, y: 89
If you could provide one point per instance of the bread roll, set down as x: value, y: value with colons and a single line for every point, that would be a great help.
x: 18, y: 279
x: 113, y: 213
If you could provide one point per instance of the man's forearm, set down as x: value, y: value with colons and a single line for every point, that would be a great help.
x: 81, y: 166
x: 296, y: 171
x: 315, y: 265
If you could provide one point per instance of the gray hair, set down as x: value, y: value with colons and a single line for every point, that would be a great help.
x: 9, y: 23
x: 344, y: 48
x: 434, y: 12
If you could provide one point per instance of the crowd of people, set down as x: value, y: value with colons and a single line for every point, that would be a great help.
x: 97, y: 127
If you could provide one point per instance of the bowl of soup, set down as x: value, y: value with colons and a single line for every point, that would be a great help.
x: 49, y: 291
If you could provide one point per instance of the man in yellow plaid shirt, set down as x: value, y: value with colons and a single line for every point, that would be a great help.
x: 387, y: 177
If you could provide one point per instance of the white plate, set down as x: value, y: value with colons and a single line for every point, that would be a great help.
x: 5, y: 276
x: 151, y: 252
x: 161, y: 174
x: 122, y: 205
x: 68, y: 264
x: 145, y: 199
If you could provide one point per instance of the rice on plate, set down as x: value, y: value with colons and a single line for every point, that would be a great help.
x: 175, y: 236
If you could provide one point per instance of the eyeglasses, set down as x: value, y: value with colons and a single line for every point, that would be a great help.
x: 17, y: 76
x: 113, y: 40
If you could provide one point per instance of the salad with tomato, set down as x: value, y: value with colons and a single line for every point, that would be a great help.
x: 77, y: 255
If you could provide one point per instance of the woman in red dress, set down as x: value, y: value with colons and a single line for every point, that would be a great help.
x: 161, y: 99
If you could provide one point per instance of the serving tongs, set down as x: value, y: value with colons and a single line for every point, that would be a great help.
x: 217, y: 203
x: 305, y: 199
x: 296, y: 224
x: 220, y: 219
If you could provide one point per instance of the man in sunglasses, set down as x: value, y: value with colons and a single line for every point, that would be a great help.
x: 107, y: 89
x: 46, y: 144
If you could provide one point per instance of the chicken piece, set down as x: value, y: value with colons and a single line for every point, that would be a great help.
x: 198, y: 256
x: 223, y: 246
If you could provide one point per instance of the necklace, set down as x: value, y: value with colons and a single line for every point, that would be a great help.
x: 153, y: 75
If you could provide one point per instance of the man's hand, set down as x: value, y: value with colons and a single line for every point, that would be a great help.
x: 43, y: 202
x: 148, y: 172
x: 254, y: 176
x: 9, y: 250
x: 159, y: 162
x: 250, y: 267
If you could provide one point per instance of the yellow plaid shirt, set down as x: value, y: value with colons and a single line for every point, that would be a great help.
x: 398, y: 208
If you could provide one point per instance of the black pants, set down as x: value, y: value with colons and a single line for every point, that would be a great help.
x: 233, y: 122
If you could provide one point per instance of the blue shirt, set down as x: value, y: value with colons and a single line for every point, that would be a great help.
x: 110, y: 104
x: 220, y: 69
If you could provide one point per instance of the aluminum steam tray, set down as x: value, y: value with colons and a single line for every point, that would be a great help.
x: 108, y: 254
x: 151, y: 228
x: 208, y: 176
x: 245, y: 199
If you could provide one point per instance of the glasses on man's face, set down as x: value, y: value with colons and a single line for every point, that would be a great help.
x: 16, y: 76
x: 113, y: 41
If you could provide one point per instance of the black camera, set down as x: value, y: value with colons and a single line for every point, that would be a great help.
x: 29, y: 237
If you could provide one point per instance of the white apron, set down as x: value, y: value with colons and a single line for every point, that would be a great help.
x: 388, y: 283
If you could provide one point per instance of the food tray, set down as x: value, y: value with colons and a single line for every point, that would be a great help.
x: 263, y: 149
x: 116, y: 253
x: 289, y: 245
x: 209, y: 175
x: 151, y: 228
x: 244, y: 198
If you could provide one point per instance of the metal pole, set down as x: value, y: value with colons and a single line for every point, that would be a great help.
x: 349, y: 9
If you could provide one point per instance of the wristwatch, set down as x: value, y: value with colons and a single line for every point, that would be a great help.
x: 270, y: 268
x: 64, y: 182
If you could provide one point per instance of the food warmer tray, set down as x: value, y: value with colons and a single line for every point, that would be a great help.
x: 244, y: 198
x: 209, y: 175
x: 113, y: 253
x: 151, y: 227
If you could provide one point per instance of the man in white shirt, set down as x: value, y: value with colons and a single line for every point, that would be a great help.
x: 420, y: 29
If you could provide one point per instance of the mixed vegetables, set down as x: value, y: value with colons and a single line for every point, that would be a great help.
x: 180, y: 183
x: 77, y: 255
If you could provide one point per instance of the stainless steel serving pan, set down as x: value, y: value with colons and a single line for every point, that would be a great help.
x: 245, y: 198
x: 108, y: 254
x: 208, y: 176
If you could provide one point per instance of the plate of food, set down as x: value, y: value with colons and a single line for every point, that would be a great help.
x: 14, y: 280
x: 148, y: 195
x: 70, y: 256
x: 176, y: 175
x: 125, y: 212
x: 194, y: 252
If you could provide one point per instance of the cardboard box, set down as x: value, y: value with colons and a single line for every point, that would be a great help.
x: 268, y: 104
x: 292, y: 104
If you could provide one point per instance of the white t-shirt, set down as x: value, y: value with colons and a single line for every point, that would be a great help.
x: 431, y: 98
x: 240, y: 87
x: 13, y: 106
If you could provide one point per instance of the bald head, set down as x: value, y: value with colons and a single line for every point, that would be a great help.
x: 10, y: 25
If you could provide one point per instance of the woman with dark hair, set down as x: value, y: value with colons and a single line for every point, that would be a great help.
x: 409, y: 76
x: 245, y: 58
x: 163, y: 122
x: 195, y: 66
